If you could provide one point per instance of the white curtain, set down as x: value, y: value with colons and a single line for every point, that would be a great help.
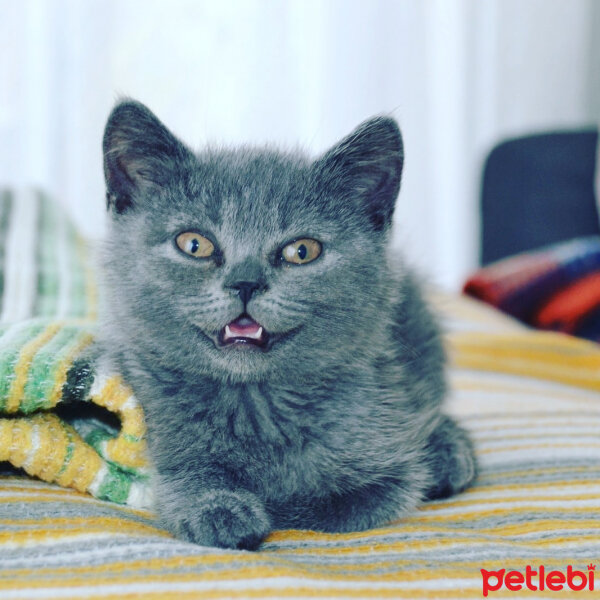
x: 457, y: 74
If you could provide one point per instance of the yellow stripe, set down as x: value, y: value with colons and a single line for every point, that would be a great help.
x: 533, y: 354
x: 124, y: 452
x: 475, y: 515
x: 591, y: 526
x: 333, y: 592
x: 132, y: 421
x: 53, y: 443
x: 23, y: 581
x: 535, y: 434
x: 74, y: 497
x: 21, y: 444
x: 251, y: 573
x: 536, y: 446
x: 537, y: 422
x: 31, y: 535
x: 113, y: 395
x: 102, y: 523
x: 531, y: 472
x: 82, y: 466
x: 277, y: 593
x: 542, y: 485
x: 23, y: 364
x: 221, y: 559
x: 505, y: 499
x: 507, y: 386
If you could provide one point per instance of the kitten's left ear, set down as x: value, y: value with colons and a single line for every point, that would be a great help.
x: 139, y: 153
x: 366, y: 167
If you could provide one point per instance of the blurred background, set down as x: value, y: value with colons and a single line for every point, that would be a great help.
x: 458, y: 75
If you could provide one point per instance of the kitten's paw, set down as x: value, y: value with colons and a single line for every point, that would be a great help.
x: 224, y: 519
x: 452, y: 458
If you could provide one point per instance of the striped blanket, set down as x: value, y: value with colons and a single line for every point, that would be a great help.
x: 531, y: 402
x: 46, y: 324
x: 556, y: 287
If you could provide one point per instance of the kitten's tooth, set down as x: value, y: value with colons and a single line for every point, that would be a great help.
x: 258, y: 334
x: 228, y: 333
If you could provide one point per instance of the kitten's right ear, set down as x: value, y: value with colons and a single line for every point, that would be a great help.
x: 139, y: 153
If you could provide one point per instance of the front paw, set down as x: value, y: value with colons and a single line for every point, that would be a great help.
x: 452, y: 460
x: 220, y: 518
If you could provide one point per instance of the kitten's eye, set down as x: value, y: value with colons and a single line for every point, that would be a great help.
x: 195, y: 244
x: 301, y: 251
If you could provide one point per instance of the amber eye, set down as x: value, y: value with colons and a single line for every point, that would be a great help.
x: 301, y: 251
x: 195, y: 244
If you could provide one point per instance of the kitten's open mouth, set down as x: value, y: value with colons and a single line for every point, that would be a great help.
x: 244, y: 331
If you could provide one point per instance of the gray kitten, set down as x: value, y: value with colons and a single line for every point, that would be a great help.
x: 290, y: 373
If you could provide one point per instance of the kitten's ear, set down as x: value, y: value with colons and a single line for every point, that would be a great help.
x: 139, y: 152
x: 366, y: 167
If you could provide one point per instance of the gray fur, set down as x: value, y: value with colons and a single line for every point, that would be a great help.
x: 337, y: 427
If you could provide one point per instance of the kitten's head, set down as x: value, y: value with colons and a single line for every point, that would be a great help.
x: 250, y: 264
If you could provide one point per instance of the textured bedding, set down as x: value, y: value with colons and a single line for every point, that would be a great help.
x: 529, y: 398
x: 46, y: 328
x: 556, y: 287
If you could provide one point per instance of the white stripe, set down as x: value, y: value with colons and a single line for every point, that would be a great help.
x: 98, y: 480
x: 130, y: 403
x: 530, y: 442
x: 531, y: 457
x: 140, y: 495
x: 61, y: 535
x: 98, y: 384
x: 83, y: 555
x: 542, y: 490
x: 20, y: 281
x: 539, y: 430
x: 560, y: 504
x: 12, y: 332
x: 499, y: 422
x: 35, y: 445
x: 121, y: 589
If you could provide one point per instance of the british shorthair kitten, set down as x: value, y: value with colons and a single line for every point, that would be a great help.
x: 290, y: 372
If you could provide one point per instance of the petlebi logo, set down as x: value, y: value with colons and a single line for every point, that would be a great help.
x: 538, y: 580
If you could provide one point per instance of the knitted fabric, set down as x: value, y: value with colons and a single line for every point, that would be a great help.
x: 63, y: 418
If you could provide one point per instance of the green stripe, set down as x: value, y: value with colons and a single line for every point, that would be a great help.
x: 10, y: 350
x: 48, y: 276
x: 78, y: 299
x: 6, y: 205
x: 116, y: 485
x: 43, y: 373
x: 69, y: 452
x: 38, y: 248
x: 96, y: 438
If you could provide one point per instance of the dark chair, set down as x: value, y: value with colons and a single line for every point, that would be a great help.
x: 537, y: 190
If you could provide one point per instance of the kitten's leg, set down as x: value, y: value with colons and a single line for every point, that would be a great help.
x: 212, y: 516
x: 447, y: 467
x: 371, y: 506
x: 452, y: 460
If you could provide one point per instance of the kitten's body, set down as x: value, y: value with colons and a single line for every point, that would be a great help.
x: 334, y: 423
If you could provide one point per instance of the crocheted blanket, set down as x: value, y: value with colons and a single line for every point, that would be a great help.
x: 556, y: 287
x: 63, y: 418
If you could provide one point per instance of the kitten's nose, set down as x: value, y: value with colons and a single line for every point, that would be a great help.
x: 247, y: 288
